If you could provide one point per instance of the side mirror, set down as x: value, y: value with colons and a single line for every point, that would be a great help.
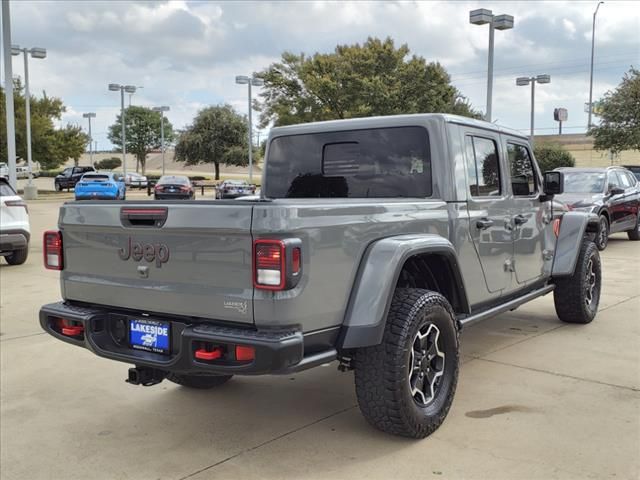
x: 613, y: 190
x: 553, y: 184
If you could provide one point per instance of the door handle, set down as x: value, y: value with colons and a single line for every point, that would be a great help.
x: 519, y: 219
x: 484, y: 223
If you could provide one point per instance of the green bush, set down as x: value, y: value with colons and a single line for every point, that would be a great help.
x: 49, y: 173
x: 108, y: 163
x: 553, y: 155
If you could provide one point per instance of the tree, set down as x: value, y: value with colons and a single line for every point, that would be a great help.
x: 70, y: 142
x: 142, y: 132
x: 375, y: 78
x: 619, y: 128
x: 218, y: 135
x: 108, y: 163
x: 47, y: 144
x: 551, y: 156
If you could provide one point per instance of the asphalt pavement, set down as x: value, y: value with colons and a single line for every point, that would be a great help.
x: 536, y: 399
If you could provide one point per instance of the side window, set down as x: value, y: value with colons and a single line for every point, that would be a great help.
x: 67, y: 172
x: 523, y: 175
x: 613, y: 180
x: 483, y: 167
x: 624, y: 180
x: 632, y: 179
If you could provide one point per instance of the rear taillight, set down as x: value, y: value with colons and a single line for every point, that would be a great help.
x: 556, y: 227
x: 277, y: 264
x: 52, y: 243
x: 17, y: 203
x: 185, y: 189
x: 158, y: 188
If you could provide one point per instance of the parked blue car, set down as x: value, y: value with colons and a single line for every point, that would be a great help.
x: 101, y: 186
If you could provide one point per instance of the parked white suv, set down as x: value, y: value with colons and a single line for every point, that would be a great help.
x: 14, y: 225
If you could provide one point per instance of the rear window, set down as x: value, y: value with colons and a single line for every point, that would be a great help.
x: 6, y: 190
x: 95, y: 178
x: 174, y: 180
x: 375, y: 163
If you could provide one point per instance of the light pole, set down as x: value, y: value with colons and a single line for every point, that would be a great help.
x: 89, y: 116
x: 593, y: 41
x: 30, y: 190
x: 8, y: 98
x: 162, y: 109
x: 114, y: 87
x: 131, y: 93
x: 256, y: 82
x: 496, y: 22
x: 522, y: 81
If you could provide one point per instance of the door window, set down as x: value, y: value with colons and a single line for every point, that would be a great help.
x: 523, y: 174
x: 483, y: 169
x: 624, y: 180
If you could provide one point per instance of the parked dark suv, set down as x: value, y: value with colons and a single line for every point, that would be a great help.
x: 613, y: 193
x: 70, y: 176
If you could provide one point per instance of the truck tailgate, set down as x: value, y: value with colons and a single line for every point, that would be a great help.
x: 182, y: 258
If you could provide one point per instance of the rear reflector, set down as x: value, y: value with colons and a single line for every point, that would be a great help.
x: 295, y: 261
x: 52, y: 242
x: 245, y: 353
x: 269, y: 264
x: 556, y: 227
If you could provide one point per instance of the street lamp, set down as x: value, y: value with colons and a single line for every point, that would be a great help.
x: 162, y: 109
x: 30, y: 191
x: 114, y: 87
x: 256, y: 82
x: 593, y: 40
x: 523, y: 81
x: 131, y: 93
x: 89, y: 116
x: 496, y: 22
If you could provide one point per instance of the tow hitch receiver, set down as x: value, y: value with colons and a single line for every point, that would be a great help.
x: 145, y: 376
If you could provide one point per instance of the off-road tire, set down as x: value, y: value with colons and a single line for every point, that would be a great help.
x: 602, y: 235
x: 635, y: 233
x: 201, y: 382
x: 571, y: 294
x: 17, y: 257
x: 58, y: 187
x: 382, y: 372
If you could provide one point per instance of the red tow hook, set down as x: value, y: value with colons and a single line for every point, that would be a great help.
x: 69, y: 329
x: 203, y: 354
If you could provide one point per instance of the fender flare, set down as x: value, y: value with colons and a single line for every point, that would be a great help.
x: 573, y: 227
x: 375, y: 282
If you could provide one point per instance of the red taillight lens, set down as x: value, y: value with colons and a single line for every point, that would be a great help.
x: 185, y: 189
x: 52, y: 242
x: 269, y: 264
x: 158, y: 188
x: 556, y: 227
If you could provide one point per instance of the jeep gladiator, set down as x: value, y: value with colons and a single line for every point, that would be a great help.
x: 373, y: 242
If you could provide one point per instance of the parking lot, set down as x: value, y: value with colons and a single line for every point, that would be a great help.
x: 536, y: 399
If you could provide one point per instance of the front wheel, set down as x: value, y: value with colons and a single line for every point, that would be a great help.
x: 576, y: 298
x: 58, y: 187
x: 602, y: 237
x: 201, y: 382
x: 406, y: 384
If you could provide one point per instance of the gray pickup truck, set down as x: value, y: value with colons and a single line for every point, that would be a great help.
x: 374, y: 241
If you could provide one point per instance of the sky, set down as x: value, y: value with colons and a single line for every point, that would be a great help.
x: 186, y: 54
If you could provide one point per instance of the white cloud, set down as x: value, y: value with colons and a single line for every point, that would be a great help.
x: 186, y: 54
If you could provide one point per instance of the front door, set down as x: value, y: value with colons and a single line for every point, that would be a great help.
x: 488, y: 207
x: 529, y: 215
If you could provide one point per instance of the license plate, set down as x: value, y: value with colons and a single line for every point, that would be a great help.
x: 150, y: 335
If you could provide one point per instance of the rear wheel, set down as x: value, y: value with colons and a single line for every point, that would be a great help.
x: 635, y: 233
x: 17, y: 257
x: 602, y: 237
x: 406, y: 384
x: 202, y: 382
x: 577, y: 297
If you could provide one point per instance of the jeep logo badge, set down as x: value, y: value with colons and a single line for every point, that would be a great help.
x: 158, y: 253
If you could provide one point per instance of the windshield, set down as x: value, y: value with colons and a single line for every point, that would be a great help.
x: 583, y: 182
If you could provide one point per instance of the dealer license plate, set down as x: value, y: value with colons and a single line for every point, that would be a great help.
x: 150, y: 335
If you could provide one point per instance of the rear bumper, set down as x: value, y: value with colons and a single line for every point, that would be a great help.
x: 105, y: 333
x: 13, y: 240
x: 172, y: 196
x: 85, y: 196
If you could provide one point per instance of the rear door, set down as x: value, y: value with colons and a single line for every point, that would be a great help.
x: 190, y: 259
x: 488, y: 206
x: 528, y: 213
